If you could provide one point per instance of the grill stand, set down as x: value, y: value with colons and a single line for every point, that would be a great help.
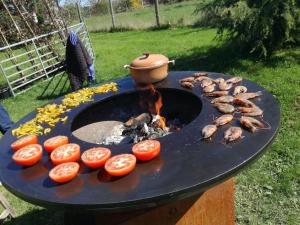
x: 213, y: 207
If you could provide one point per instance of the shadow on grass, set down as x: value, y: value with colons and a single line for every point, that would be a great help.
x: 38, y: 217
x: 228, y: 57
x: 61, y: 87
x: 217, y: 59
x: 164, y: 26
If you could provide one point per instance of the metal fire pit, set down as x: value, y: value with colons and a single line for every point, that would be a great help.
x: 186, y: 166
x: 98, y: 119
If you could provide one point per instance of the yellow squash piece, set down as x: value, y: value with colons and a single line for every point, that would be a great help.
x: 51, y: 114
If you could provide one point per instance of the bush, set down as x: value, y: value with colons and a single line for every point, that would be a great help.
x: 258, y: 26
x: 136, y: 4
x: 69, y: 12
x: 122, y: 6
x: 100, y: 7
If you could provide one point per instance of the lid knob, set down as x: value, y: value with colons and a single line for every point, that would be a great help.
x: 145, y: 55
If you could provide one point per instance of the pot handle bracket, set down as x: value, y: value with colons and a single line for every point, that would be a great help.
x: 172, y: 61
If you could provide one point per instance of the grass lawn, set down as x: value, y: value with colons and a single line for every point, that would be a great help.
x: 268, y: 191
x: 174, y: 14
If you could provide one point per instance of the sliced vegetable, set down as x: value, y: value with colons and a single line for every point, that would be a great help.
x: 120, y: 165
x: 55, y: 142
x: 22, y: 142
x: 146, y: 150
x: 52, y: 114
x: 95, y: 157
x: 28, y: 155
x: 65, y: 153
x: 64, y: 172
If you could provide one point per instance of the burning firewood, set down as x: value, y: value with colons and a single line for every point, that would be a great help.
x: 139, y: 120
x: 158, y: 122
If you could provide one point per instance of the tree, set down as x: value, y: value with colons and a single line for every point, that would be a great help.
x: 258, y: 26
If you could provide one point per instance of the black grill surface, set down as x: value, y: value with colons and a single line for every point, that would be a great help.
x: 186, y: 166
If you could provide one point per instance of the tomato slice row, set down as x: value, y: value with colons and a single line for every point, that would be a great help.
x: 64, y: 155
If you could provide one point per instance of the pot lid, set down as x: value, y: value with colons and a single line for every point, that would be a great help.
x: 149, y: 60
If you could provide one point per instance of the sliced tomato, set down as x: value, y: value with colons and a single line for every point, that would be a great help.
x: 65, y: 153
x: 28, y: 155
x: 55, y: 142
x: 120, y: 165
x: 146, y: 150
x: 64, y: 172
x: 23, y: 141
x: 95, y: 157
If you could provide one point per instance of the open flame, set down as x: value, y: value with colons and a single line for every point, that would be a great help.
x: 157, y: 106
x: 146, y: 126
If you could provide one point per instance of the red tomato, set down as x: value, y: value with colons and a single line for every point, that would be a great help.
x: 65, y: 153
x: 23, y: 141
x: 28, y: 155
x: 95, y: 157
x: 64, y: 172
x: 146, y: 150
x: 55, y: 142
x: 120, y: 165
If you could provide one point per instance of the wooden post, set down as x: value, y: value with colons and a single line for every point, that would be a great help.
x: 112, y: 13
x: 157, y: 13
x: 79, y: 12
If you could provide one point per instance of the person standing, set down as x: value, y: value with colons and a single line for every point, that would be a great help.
x: 5, y: 122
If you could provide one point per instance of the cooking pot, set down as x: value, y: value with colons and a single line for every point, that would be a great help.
x: 149, y: 68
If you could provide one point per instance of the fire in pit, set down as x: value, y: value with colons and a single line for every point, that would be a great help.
x: 150, y: 125
x: 131, y: 117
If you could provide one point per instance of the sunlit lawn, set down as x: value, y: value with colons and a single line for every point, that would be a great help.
x: 268, y: 191
x: 178, y: 14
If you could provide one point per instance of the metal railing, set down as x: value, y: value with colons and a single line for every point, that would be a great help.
x: 44, y: 56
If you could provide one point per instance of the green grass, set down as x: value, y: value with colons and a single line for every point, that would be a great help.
x: 268, y: 191
x: 175, y: 14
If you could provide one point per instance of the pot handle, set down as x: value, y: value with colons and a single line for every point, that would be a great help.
x: 172, y: 61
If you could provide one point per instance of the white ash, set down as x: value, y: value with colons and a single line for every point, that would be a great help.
x: 115, y: 138
x: 136, y: 132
